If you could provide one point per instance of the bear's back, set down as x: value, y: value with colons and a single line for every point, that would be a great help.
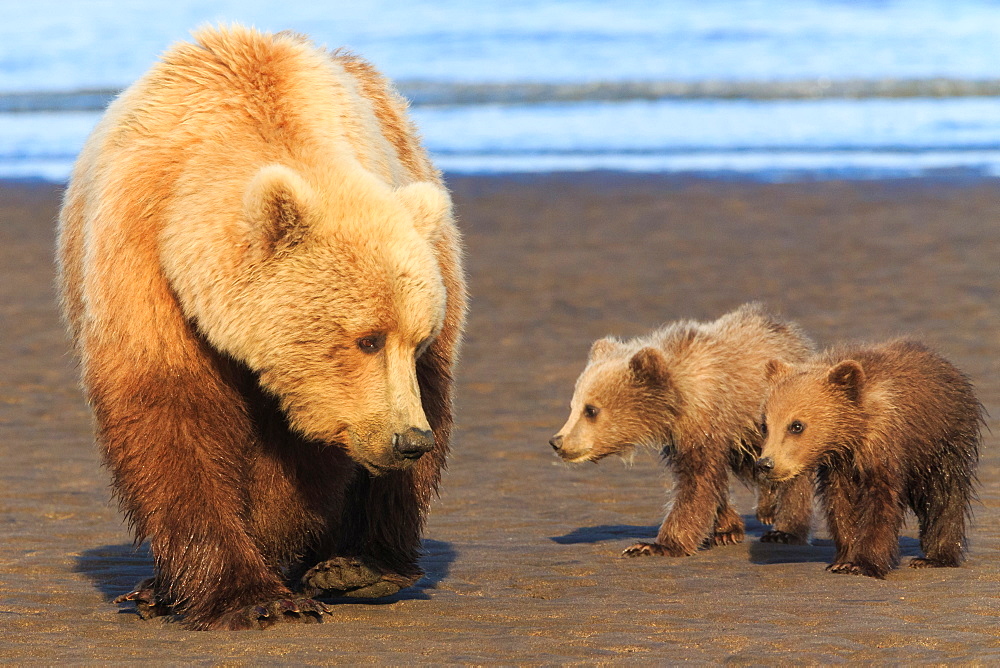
x: 916, y: 402
x: 719, y: 367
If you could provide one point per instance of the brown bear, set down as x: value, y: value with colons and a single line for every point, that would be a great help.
x: 884, y: 428
x: 695, y: 390
x: 261, y: 274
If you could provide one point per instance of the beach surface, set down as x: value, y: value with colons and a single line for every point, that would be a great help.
x: 522, y: 552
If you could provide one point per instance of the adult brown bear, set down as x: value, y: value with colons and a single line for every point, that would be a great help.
x: 262, y: 277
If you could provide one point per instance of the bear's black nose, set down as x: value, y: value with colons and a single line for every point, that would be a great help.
x: 413, y: 443
x: 556, y: 442
x: 765, y: 464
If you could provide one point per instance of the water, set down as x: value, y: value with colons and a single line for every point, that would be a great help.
x: 772, y: 89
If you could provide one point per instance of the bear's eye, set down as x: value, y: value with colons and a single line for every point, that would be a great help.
x: 590, y: 412
x: 796, y: 427
x: 371, y: 343
x: 763, y: 429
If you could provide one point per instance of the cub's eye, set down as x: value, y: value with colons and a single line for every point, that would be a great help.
x: 796, y: 427
x: 590, y: 412
x: 763, y: 429
x: 372, y: 343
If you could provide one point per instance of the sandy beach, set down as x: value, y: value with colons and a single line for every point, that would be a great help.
x: 521, y: 550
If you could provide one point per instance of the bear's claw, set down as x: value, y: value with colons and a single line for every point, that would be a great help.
x: 728, y: 537
x: 925, y: 562
x: 350, y: 577
x: 783, y: 537
x: 851, y: 568
x: 264, y: 615
x: 651, y: 549
x: 147, y: 603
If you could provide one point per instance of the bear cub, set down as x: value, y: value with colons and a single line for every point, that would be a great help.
x: 695, y: 390
x: 884, y: 428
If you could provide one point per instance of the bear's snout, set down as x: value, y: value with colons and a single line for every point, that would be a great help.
x: 413, y: 443
x: 556, y: 443
x: 765, y: 465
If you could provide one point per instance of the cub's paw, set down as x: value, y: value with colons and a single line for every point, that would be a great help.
x: 347, y: 576
x: 263, y: 615
x: 147, y: 603
x: 851, y: 568
x: 652, y: 549
x: 731, y: 537
x: 925, y: 562
x: 783, y: 537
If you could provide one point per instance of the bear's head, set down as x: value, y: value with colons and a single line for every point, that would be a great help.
x: 332, y: 299
x: 624, y: 398
x: 811, y: 414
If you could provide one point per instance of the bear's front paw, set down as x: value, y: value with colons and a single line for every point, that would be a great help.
x: 346, y: 576
x: 263, y: 615
x: 652, y: 549
x: 147, y: 603
x: 852, y: 568
x: 765, y: 515
x: 783, y: 537
x: 731, y: 537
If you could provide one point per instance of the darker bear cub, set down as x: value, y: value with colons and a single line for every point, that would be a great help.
x: 885, y: 428
x: 695, y: 390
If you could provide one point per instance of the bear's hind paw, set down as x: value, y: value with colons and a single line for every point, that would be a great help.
x: 926, y: 562
x: 350, y: 577
x: 851, y: 568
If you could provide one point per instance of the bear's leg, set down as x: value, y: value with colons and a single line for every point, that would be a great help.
x: 942, y: 528
x: 701, y: 489
x: 376, y: 551
x: 872, y: 538
x: 728, y: 526
x: 792, y: 511
x: 175, y: 441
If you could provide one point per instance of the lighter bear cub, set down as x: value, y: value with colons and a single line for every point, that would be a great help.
x: 261, y: 274
x: 695, y: 390
x: 885, y: 428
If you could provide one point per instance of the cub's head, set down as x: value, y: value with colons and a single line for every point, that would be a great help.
x: 338, y: 301
x: 810, y: 414
x: 625, y: 397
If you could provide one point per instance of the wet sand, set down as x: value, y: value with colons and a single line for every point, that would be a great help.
x: 521, y: 550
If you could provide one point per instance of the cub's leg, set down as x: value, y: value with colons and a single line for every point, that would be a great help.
x: 788, y: 506
x: 701, y: 489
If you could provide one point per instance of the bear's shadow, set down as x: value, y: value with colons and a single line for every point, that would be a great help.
x: 819, y: 550
x: 115, y: 569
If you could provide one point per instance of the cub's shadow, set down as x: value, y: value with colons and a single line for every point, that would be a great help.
x: 819, y: 550
x: 115, y: 569
x: 606, y: 532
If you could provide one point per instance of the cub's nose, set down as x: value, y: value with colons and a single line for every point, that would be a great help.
x: 556, y: 443
x: 765, y: 464
x: 413, y: 443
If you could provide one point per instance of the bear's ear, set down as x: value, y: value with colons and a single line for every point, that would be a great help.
x: 276, y: 205
x: 603, y: 348
x: 776, y: 368
x: 429, y: 204
x: 648, y: 367
x: 849, y: 377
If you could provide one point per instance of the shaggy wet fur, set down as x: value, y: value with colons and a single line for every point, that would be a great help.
x: 885, y: 428
x: 695, y: 390
x: 262, y: 278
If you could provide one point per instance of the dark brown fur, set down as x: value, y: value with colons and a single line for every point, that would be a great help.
x: 885, y: 428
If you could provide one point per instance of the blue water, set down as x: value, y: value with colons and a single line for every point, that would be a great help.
x: 57, y: 46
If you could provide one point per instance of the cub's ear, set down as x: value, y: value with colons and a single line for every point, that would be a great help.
x: 775, y: 369
x: 603, y: 348
x: 648, y: 367
x: 429, y: 204
x: 849, y: 377
x: 276, y: 205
